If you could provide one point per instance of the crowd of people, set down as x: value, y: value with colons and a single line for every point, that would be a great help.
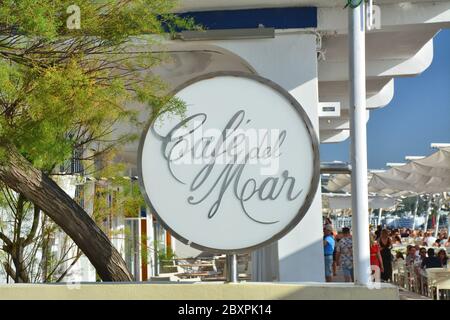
x: 420, y: 251
x: 418, y: 237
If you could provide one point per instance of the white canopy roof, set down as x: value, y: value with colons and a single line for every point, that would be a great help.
x: 427, y: 175
x: 233, y: 4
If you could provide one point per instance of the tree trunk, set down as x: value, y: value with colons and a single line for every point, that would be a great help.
x: 18, y: 174
x: 17, y: 258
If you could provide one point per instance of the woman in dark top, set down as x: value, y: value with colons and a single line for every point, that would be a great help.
x: 386, y: 255
x: 442, y: 255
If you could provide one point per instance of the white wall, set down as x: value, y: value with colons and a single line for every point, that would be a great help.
x: 291, y: 61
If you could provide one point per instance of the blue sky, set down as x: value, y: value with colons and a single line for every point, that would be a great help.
x: 418, y: 115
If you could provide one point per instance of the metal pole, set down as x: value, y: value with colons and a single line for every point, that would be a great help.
x: 415, y: 212
x: 448, y: 215
x: 231, y: 268
x: 155, y: 248
x: 358, y: 120
x: 438, y: 217
x: 436, y: 232
x: 380, y: 212
x: 448, y: 225
x: 425, y: 227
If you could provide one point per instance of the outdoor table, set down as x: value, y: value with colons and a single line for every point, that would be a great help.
x: 439, y: 278
x: 200, y: 267
x: 192, y: 274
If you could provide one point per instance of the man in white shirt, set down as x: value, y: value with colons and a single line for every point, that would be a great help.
x: 429, y: 239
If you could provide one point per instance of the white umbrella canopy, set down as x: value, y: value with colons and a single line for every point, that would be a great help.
x: 339, y: 182
x: 427, y: 175
x: 396, y: 181
x: 425, y: 170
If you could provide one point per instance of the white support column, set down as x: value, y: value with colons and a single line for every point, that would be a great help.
x: 358, y: 115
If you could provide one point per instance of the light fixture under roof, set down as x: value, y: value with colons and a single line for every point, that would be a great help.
x: 393, y: 164
x: 413, y: 158
x: 440, y: 145
x: 227, y: 34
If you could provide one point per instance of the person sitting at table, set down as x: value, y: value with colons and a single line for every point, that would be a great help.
x: 419, y: 238
x: 397, y: 240
x: 429, y: 239
x: 404, y: 233
x: 399, y: 257
x: 422, y: 254
x: 417, y: 247
x: 437, y: 243
x: 442, y: 255
x: 408, y: 248
x: 411, y: 258
x: 447, y: 244
x: 442, y: 239
x: 431, y: 261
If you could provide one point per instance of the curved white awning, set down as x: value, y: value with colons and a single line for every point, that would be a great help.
x: 427, y: 175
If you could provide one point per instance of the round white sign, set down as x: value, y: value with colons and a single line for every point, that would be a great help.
x: 237, y: 171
